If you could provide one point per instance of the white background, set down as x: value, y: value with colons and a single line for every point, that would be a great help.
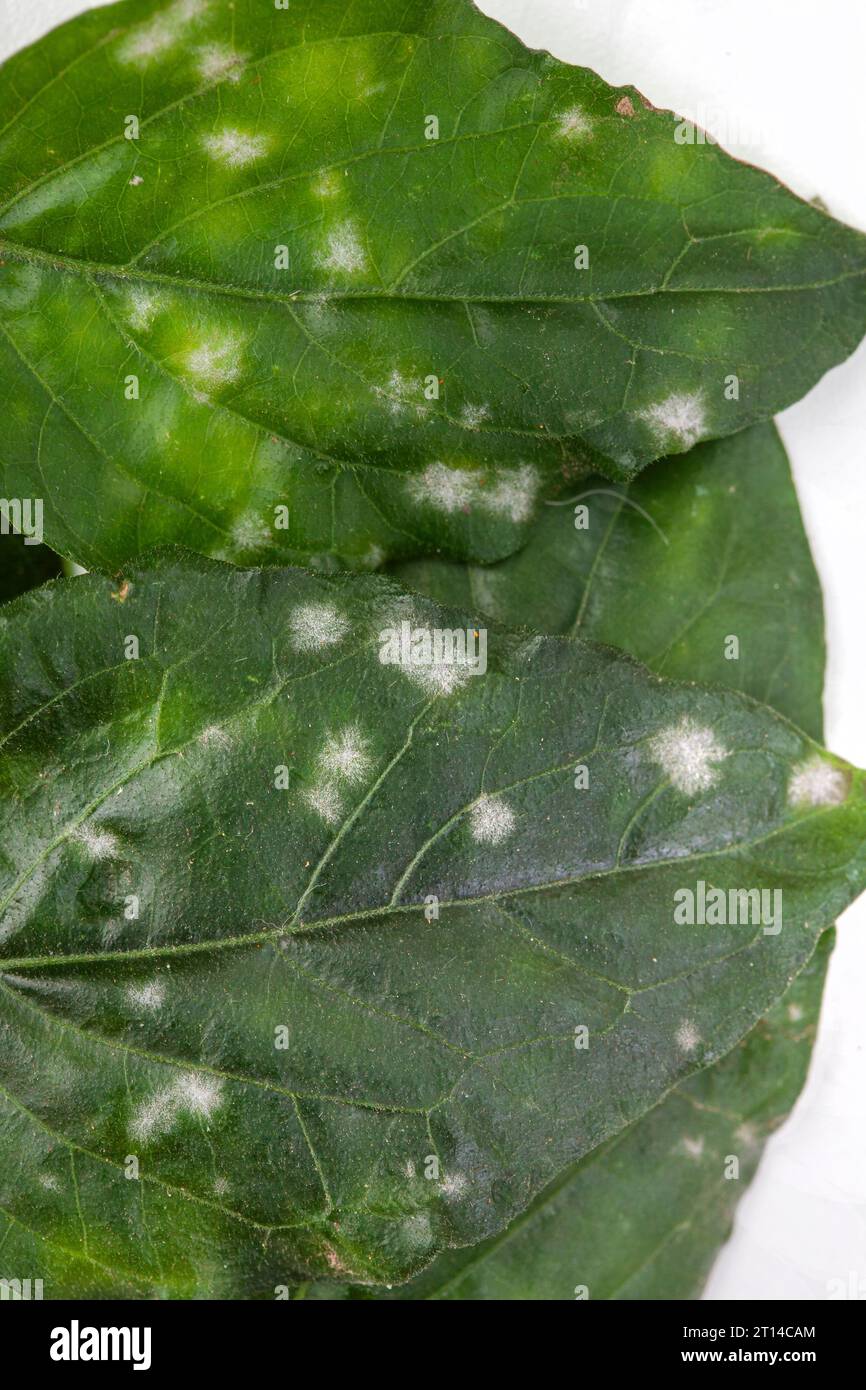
x: 780, y: 82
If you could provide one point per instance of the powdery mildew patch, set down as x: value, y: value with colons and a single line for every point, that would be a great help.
x: 344, y: 251
x: 679, y: 422
x: 693, y: 1147
x: 574, y: 124
x: 818, y: 783
x: 158, y: 36
x: 326, y: 801
x: 317, y: 625
x: 687, y: 1037
x: 216, y: 361
x: 235, y: 148
x: 346, y: 756
x: 687, y: 754
x: 491, y: 820
x: 150, y: 996
x: 142, y: 307
x: 511, y: 494
x: 190, y: 1094
x: 514, y: 494
x: 446, y: 489
x: 100, y: 844
x: 215, y: 63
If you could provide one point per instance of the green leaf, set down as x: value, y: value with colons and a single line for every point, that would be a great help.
x: 157, y: 356
x: 153, y: 1036
x: 701, y: 549
x: 644, y: 1214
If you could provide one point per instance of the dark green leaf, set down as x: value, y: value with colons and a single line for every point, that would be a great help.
x: 305, y: 378
x: 696, y: 551
x: 644, y: 1214
x: 154, y: 1036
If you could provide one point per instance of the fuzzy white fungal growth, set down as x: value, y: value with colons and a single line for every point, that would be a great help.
x: 316, y: 625
x: 216, y: 362
x: 686, y: 754
x: 327, y: 185
x: 142, y: 307
x: 453, y: 1184
x: 219, y: 64
x: 221, y: 1187
x: 326, y: 802
x: 398, y: 391
x: 214, y: 737
x: 150, y: 996
x: 574, y: 124
x: 346, y: 756
x: 491, y: 820
x: 249, y: 532
x: 234, y: 148
x: 191, y: 1093
x: 687, y: 1037
x: 678, y: 422
x: 693, y: 1147
x: 159, y: 35
x: 345, y: 251
x: 513, y: 494
x: 49, y: 1182
x: 818, y: 783
x: 446, y: 489
x: 794, y: 1012
x: 471, y: 416
x: 100, y: 844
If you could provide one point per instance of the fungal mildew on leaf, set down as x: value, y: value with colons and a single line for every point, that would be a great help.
x: 280, y: 1034
x: 345, y: 284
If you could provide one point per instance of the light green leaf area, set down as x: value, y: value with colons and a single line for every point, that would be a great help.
x: 720, y: 532
x: 694, y: 553
x: 643, y: 1215
x: 350, y: 281
x: 247, y: 992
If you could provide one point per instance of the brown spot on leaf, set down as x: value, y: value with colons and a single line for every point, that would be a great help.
x: 625, y: 106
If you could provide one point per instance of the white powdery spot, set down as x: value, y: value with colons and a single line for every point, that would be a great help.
x: 491, y: 821
x: 446, y: 489
x: 214, y: 737
x: 217, y: 362
x: 346, y: 756
x: 149, y: 996
x: 136, y: 181
x: 100, y: 844
x: 190, y: 1094
x: 399, y: 392
x: 49, y: 1182
x: 687, y: 754
x: 160, y: 34
x: 687, y: 1037
x: 234, y: 148
x: 142, y: 307
x: 345, y: 251
x: 747, y: 1134
x: 471, y: 416
x: 326, y: 802
x: 795, y: 1013
x: 221, y: 1187
x: 513, y: 495
x: 818, y: 783
x: 250, y: 532
x: 327, y: 185
x: 219, y: 64
x: 693, y: 1147
x: 453, y: 1184
x: 435, y: 677
x: 317, y: 625
x: 574, y: 124
x: 678, y: 422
